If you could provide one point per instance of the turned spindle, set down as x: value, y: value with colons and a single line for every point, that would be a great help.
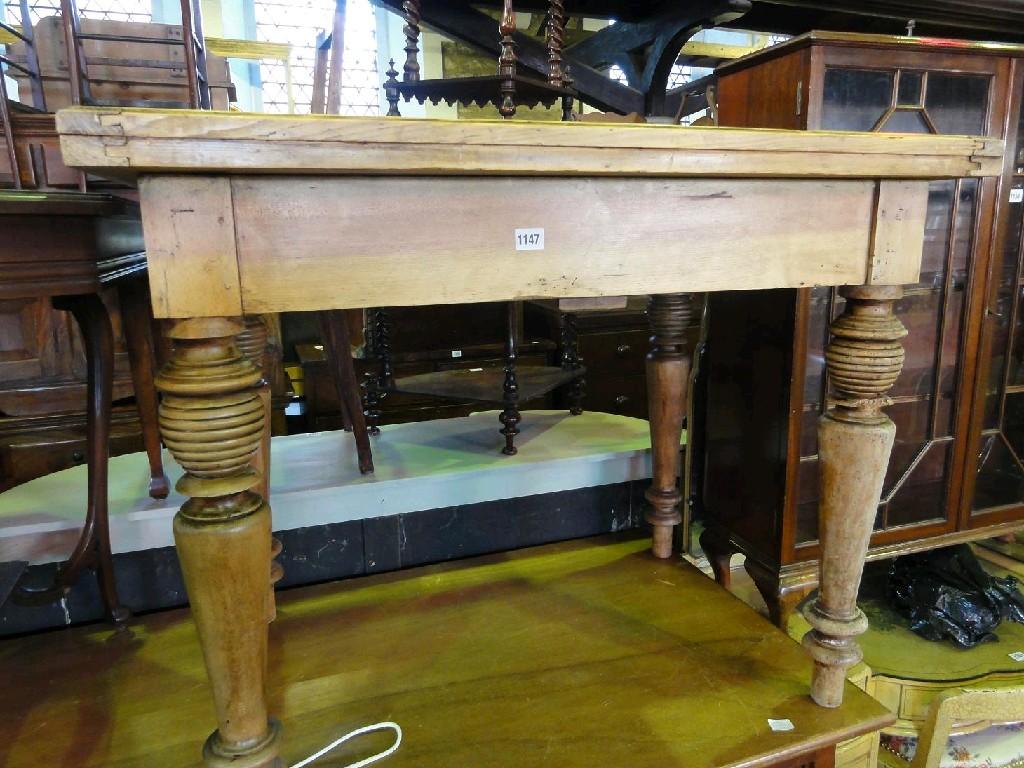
x: 507, y: 62
x: 377, y: 383
x: 510, y: 416
x: 571, y: 362
x: 568, y: 102
x: 213, y: 419
x: 855, y: 439
x: 391, y: 92
x: 668, y: 372
x: 411, y: 10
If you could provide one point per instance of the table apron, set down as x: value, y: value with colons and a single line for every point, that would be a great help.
x: 226, y: 246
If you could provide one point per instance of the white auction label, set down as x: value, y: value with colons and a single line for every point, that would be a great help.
x: 1017, y: 655
x: 781, y: 725
x: 1017, y: 195
x: 530, y: 239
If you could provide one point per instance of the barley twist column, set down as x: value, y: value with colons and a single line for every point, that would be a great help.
x: 212, y: 419
x: 855, y: 438
x: 507, y: 62
x: 412, y: 13
x: 668, y: 372
x: 556, y: 41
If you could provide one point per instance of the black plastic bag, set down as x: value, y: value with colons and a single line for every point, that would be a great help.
x: 945, y: 593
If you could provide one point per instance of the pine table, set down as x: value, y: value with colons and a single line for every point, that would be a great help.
x: 246, y: 214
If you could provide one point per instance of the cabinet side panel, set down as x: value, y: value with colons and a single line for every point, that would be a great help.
x: 771, y: 95
x: 749, y: 351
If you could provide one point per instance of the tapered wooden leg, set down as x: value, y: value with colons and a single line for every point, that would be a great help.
x: 138, y: 323
x: 213, y: 420
x: 719, y: 551
x: 338, y: 342
x: 668, y: 371
x: 855, y: 438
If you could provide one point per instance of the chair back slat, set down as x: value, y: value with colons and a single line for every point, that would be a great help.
x: 1000, y: 705
x: 192, y: 43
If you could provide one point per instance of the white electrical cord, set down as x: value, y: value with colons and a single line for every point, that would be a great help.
x: 359, y: 732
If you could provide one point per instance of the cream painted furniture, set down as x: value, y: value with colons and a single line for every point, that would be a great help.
x: 909, y: 674
x: 236, y: 211
x: 980, y: 708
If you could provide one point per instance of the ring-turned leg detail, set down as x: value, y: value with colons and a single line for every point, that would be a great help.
x: 855, y: 438
x: 212, y: 418
x: 252, y: 342
x: 668, y: 373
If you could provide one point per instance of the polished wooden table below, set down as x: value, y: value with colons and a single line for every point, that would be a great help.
x: 572, y: 655
x: 247, y: 213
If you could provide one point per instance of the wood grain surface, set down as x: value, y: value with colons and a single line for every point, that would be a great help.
x: 126, y: 142
x: 314, y: 243
x: 577, y: 654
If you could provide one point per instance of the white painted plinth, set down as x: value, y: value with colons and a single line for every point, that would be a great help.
x: 314, y: 479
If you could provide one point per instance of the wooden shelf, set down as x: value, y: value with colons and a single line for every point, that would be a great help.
x: 484, y: 385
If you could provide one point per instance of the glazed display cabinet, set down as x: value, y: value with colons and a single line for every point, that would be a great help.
x: 957, y: 469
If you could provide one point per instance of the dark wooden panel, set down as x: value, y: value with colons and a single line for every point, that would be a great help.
x: 773, y: 95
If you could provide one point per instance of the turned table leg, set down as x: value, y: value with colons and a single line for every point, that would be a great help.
x: 138, y: 323
x: 252, y: 342
x: 855, y: 438
x: 212, y: 418
x: 668, y: 371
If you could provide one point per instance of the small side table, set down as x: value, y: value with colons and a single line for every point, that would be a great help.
x: 67, y: 246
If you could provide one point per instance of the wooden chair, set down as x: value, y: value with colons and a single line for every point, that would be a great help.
x: 961, y: 706
x: 30, y: 69
x: 191, y: 41
x: 335, y: 329
x: 28, y: 171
